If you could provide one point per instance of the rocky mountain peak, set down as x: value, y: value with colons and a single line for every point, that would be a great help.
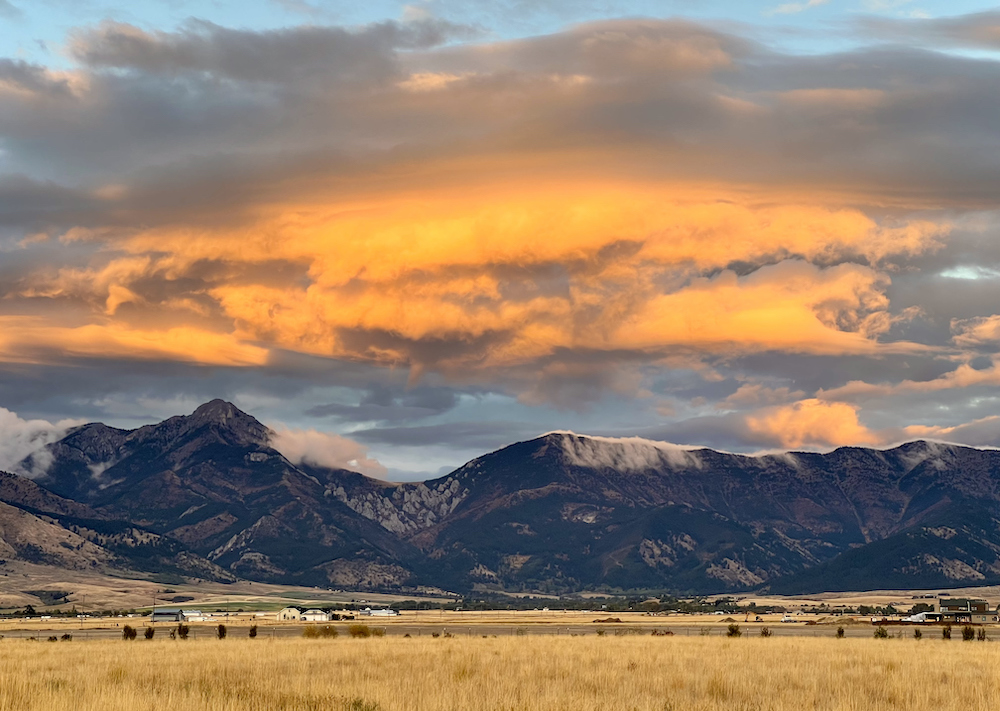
x: 223, y: 416
x: 218, y: 411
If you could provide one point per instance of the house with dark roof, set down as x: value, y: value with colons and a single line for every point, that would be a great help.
x: 960, y: 610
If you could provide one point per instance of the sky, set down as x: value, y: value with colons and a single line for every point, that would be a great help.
x: 403, y: 235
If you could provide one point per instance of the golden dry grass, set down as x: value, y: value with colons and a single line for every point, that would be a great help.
x: 511, y: 674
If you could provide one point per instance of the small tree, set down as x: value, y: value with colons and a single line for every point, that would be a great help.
x: 148, y: 634
x: 765, y: 632
x: 253, y: 631
x: 968, y: 633
x: 981, y: 635
x: 221, y: 631
x: 359, y: 631
x: 917, y: 634
x: 733, y: 630
x: 840, y: 633
x: 881, y: 632
x: 128, y: 632
x: 183, y: 631
x: 946, y: 632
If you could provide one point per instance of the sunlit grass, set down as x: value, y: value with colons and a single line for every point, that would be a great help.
x: 532, y: 673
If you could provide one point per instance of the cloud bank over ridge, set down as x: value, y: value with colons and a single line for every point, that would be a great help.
x: 626, y: 224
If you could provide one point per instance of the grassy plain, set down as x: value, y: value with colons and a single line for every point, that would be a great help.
x: 590, y: 673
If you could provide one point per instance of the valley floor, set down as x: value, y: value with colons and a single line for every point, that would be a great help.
x: 532, y: 673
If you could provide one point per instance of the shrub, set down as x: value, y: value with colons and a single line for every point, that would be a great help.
x: 67, y: 638
x: 968, y: 633
x: 981, y: 635
x: 128, y: 632
x: 601, y: 633
x: 361, y: 631
x: 53, y: 639
x: 881, y: 632
x: 326, y: 631
x: 220, y: 631
x: 733, y: 630
x: 377, y: 632
x: 840, y: 633
x: 917, y: 634
x: 253, y: 631
x: 148, y: 634
x: 946, y: 632
x: 765, y: 632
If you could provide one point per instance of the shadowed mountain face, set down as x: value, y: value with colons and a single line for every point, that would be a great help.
x: 558, y: 513
x: 211, y: 483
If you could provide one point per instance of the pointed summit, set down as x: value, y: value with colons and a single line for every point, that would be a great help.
x: 218, y: 411
x: 225, y: 416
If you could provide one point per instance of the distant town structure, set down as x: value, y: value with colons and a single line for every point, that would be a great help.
x: 315, y: 616
x: 290, y: 614
x: 166, y: 615
x: 175, y: 614
x: 960, y: 610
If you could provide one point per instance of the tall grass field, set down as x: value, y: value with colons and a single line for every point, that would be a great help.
x: 510, y: 674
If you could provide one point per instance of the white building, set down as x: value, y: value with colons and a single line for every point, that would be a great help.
x: 290, y: 614
x: 315, y: 616
x: 378, y: 612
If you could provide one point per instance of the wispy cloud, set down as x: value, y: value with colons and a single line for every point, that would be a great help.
x: 792, y: 8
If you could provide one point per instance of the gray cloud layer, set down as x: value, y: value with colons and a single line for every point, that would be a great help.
x: 203, y: 131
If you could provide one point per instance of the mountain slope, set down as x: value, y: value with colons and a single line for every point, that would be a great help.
x: 559, y: 513
x: 212, y: 482
x: 564, y: 512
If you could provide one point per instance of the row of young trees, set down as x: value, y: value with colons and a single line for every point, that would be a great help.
x: 182, y: 631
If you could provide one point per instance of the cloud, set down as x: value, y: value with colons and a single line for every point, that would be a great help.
x: 322, y: 449
x: 974, y: 332
x: 792, y: 8
x: 627, y: 211
x: 10, y: 10
x: 811, y: 423
x: 21, y: 439
x: 976, y: 30
x: 311, y: 52
x: 984, y: 432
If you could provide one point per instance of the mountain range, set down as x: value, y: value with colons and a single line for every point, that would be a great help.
x: 208, y: 496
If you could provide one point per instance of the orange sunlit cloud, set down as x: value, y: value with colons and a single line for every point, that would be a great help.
x: 528, y: 269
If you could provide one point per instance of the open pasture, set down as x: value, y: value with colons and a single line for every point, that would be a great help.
x: 532, y: 673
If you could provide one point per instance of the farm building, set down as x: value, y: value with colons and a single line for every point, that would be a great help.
x: 316, y: 616
x: 378, y: 612
x: 167, y: 615
x: 960, y: 609
x: 289, y: 614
